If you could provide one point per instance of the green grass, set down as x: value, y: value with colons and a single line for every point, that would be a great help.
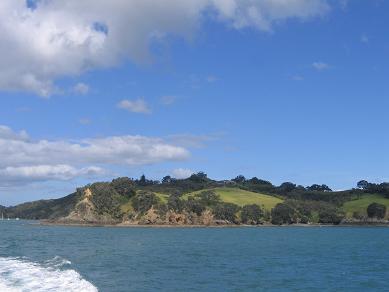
x: 360, y: 205
x: 162, y: 197
x: 242, y: 197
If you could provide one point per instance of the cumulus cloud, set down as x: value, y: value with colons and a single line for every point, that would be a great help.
x: 135, y: 106
x: 182, y: 173
x: 46, y: 40
x: 8, y: 133
x: 320, y: 66
x: 26, y: 174
x: 81, y: 88
x: 263, y: 14
x: 29, y: 159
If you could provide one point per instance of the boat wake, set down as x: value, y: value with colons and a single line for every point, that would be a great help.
x: 19, y: 274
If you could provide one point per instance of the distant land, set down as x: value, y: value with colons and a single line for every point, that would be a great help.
x: 201, y: 201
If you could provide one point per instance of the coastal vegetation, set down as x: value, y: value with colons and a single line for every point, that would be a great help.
x: 199, y: 200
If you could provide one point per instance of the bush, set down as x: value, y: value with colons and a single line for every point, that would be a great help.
x: 375, y: 210
x: 208, y: 198
x: 252, y: 214
x: 144, y: 201
x: 226, y: 211
x: 106, y: 199
x: 194, y: 206
x: 330, y: 216
x: 124, y: 186
x: 282, y: 214
x: 175, y: 204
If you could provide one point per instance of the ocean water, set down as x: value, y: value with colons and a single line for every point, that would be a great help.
x: 56, y: 258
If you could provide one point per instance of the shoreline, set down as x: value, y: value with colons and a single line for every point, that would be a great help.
x: 121, y: 225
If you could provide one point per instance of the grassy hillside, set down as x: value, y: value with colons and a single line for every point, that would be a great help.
x: 360, y: 205
x: 241, y: 197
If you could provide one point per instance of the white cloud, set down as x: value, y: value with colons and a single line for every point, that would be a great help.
x: 182, y: 173
x: 81, y: 88
x: 23, y: 157
x: 66, y: 38
x: 8, y: 133
x: 263, y: 14
x: 136, y: 106
x: 27, y: 174
x: 320, y: 66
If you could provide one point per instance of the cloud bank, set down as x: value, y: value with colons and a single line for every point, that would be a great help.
x: 41, y: 41
x: 25, y: 160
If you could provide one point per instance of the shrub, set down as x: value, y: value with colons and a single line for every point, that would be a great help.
x: 194, y: 206
x: 144, y: 201
x: 330, y: 215
x: 208, y: 198
x: 175, y: 204
x: 282, y: 214
x: 252, y: 214
x: 375, y: 210
x: 124, y: 186
x: 226, y: 211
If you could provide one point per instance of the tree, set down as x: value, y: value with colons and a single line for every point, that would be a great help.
x: 330, y: 215
x: 167, y: 179
x: 194, y: 206
x: 142, y: 180
x: 124, y: 186
x: 282, y: 214
x: 286, y: 187
x: 240, y: 179
x: 375, y: 210
x: 363, y: 184
x: 199, y: 177
x: 319, y: 188
x: 175, y: 203
x: 144, y: 201
x: 226, y: 211
x: 252, y: 214
x: 208, y: 198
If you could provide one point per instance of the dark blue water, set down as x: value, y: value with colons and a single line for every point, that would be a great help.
x: 177, y: 259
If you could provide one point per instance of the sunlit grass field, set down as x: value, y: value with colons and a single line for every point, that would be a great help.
x: 360, y: 205
x: 242, y: 197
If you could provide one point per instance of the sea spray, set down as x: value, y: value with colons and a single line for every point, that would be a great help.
x: 19, y: 274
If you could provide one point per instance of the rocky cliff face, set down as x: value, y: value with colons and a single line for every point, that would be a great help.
x: 85, y: 211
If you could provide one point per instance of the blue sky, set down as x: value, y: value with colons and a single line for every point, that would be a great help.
x: 299, y: 93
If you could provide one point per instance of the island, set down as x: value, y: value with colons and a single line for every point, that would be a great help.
x: 201, y: 201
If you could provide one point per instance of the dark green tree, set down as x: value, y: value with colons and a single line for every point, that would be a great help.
x: 124, y: 186
x: 375, y: 210
x: 195, y: 206
x: 282, y: 214
x: 330, y: 215
x: 252, y: 214
x: 226, y: 211
x: 208, y: 198
x: 144, y: 201
x: 240, y: 179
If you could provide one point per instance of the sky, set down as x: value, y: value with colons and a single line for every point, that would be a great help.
x: 284, y: 90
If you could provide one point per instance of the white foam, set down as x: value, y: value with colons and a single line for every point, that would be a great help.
x: 17, y: 274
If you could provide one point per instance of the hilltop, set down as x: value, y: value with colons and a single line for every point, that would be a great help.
x: 199, y: 200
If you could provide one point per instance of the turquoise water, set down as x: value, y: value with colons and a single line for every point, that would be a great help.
x: 54, y: 258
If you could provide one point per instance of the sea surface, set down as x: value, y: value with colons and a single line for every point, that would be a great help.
x: 56, y: 258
